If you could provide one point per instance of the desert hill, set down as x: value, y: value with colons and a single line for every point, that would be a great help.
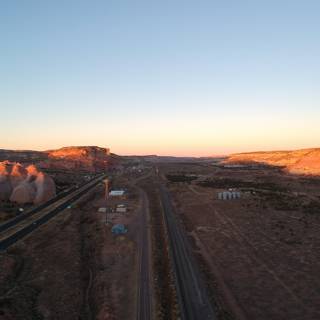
x: 87, y: 158
x: 304, y: 161
x: 24, y: 174
x: 22, y: 155
x: 79, y: 152
x: 82, y: 158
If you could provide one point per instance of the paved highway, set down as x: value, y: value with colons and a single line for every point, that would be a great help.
x: 22, y: 228
x: 144, y: 306
x: 12, y: 222
x: 192, y: 294
x: 144, y: 292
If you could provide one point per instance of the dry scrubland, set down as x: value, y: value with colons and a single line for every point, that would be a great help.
x: 72, y: 268
x: 32, y: 177
x: 260, y: 254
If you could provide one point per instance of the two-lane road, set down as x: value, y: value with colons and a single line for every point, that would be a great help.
x: 192, y: 293
x: 144, y: 302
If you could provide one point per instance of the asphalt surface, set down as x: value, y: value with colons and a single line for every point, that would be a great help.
x: 192, y: 294
x: 144, y: 306
x: 6, y: 242
x: 144, y: 294
x: 12, y: 222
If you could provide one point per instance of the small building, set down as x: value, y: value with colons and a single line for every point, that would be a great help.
x: 102, y: 210
x: 229, y: 195
x: 119, y: 229
x: 116, y: 193
x: 121, y: 209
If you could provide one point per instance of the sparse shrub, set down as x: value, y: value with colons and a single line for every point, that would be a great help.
x: 180, y: 178
x: 225, y: 183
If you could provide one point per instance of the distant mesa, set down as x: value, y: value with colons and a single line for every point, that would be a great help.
x: 304, y: 161
x: 79, y: 158
x: 22, y: 155
x: 80, y: 152
x: 22, y: 184
x: 86, y: 158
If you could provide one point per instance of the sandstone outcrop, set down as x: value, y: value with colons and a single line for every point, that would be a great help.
x: 89, y: 158
x: 5, y: 188
x: 25, y: 192
x: 45, y: 187
x: 18, y: 174
x: 25, y: 185
x: 305, y: 161
x: 83, y: 158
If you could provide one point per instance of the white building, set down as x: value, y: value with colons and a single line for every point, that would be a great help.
x: 116, y: 193
x: 229, y: 195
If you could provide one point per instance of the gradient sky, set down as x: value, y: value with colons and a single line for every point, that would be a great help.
x: 160, y: 77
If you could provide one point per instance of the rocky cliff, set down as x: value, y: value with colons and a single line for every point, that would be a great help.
x: 22, y: 184
x: 87, y: 158
x: 305, y: 161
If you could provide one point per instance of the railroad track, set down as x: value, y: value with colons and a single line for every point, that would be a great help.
x: 14, y: 230
x: 12, y: 222
x: 192, y: 294
x: 144, y: 309
x: 144, y: 296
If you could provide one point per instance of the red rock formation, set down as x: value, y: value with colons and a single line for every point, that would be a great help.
x: 32, y: 171
x: 5, y: 168
x: 5, y: 187
x: 305, y: 161
x: 46, y: 188
x: 25, y: 185
x: 18, y: 174
x: 25, y: 192
x: 90, y: 158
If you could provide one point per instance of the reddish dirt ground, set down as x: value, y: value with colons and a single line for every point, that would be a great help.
x: 261, y: 253
x: 72, y: 268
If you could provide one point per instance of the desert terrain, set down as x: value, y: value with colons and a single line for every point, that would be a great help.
x: 31, y: 178
x: 245, y: 235
x: 74, y: 267
x: 260, y: 253
x: 304, y: 161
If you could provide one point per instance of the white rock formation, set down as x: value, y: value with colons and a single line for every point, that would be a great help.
x: 25, y: 185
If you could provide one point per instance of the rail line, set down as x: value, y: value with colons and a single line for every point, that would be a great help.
x: 12, y: 222
x: 29, y: 223
x: 192, y: 294
x: 144, y: 305
x: 144, y: 310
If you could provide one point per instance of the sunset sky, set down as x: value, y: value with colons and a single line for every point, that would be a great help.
x: 170, y: 77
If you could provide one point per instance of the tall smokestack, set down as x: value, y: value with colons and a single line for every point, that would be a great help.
x: 106, y: 182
